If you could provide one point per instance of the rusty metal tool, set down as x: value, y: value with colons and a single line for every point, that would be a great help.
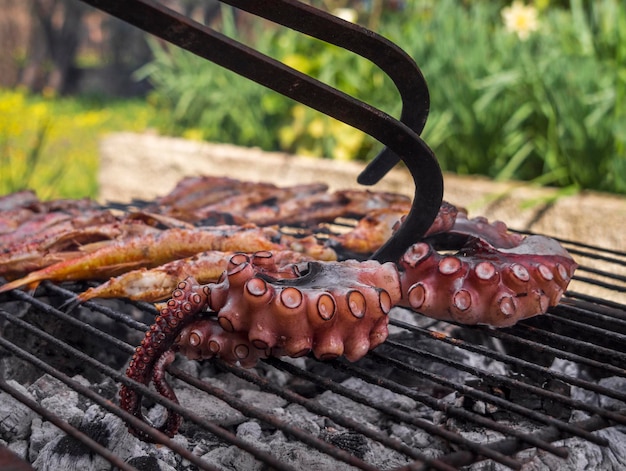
x: 401, y: 137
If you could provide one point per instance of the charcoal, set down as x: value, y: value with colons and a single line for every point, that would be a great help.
x: 348, y: 407
x: 46, y: 351
x: 302, y: 457
x: 107, y: 389
x: 229, y: 382
x: 553, y: 407
x: 305, y: 388
x: 384, y: 458
x: 614, y: 383
x: 278, y: 377
x: 300, y: 417
x: 149, y: 463
x: 234, y: 458
x: 43, y: 432
x: 209, y: 407
x: 15, y: 417
x: 61, y: 401
x: 583, y: 456
x: 67, y: 453
x: 19, y: 448
x: 262, y: 400
x: 166, y: 458
x: 375, y: 394
x: 352, y: 442
x: 249, y: 431
x: 42, y: 443
x: 413, y: 437
x: 426, y: 363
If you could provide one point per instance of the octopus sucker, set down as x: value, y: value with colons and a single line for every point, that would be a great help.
x: 486, y: 272
x: 467, y: 271
x: 155, y: 353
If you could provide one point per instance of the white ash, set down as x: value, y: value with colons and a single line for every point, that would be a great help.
x: 66, y: 453
x: 298, y: 416
x: 209, y: 407
x: 341, y: 404
x: 616, y: 383
x: 266, y: 402
x: 583, y: 455
x: 149, y: 463
x: 415, y: 438
x: 19, y: 447
x: 48, y: 448
x: 232, y: 457
x: 15, y: 418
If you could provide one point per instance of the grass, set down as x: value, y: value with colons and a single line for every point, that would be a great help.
x: 50, y: 144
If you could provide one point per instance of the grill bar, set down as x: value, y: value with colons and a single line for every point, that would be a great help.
x: 255, y: 412
x: 520, y: 362
x: 535, y: 346
x: 92, y: 396
x: 600, y: 316
x: 510, y: 446
x: 472, y: 392
x: 519, y: 384
x: 601, y: 284
x: 594, y: 351
x: 452, y: 437
x: 216, y: 392
x: 586, y: 330
x: 332, y: 386
x: 603, y: 306
x: 609, y: 335
x: 506, y: 404
x: 613, y: 276
x: 218, y: 431
x: 67, y: 428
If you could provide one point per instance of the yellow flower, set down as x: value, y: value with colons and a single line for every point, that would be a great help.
x: 520, y: 19
x: 347, y: 14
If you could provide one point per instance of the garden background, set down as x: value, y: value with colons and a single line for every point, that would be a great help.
x: 530, y: 91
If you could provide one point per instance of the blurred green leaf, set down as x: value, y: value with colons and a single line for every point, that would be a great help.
x: 549, y: 109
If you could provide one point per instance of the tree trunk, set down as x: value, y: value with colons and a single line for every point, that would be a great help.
x: 54, y: 40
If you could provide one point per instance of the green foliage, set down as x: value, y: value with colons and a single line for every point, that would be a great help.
x: 50, y: 144
x: 550, y: 108
x: 543, y: 109
x: 208, y: 102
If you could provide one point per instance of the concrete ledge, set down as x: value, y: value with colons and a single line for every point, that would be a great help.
x: 147, y: 165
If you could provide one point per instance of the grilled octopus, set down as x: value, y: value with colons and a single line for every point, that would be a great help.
x: 463, y: 270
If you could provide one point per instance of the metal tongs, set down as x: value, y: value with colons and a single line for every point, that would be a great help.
x: 401, y: 137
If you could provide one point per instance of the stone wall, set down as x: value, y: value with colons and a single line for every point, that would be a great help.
x: 147, y: 165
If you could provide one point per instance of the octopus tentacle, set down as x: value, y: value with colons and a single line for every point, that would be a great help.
x: 205, y: 339
x: 330, y: 309
x: 483, y: 284
x: 260, y: 308
x: 154, y: 353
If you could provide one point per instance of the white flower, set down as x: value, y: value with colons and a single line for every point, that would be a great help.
x: 348, y: 14
x: 520, y: 19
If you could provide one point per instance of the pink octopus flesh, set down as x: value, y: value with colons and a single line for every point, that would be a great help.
x: 333, y: 309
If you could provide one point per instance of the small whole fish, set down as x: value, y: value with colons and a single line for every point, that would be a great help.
x: 152, y: 250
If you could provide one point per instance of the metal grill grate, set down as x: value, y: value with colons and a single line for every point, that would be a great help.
x: 433, y: 379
